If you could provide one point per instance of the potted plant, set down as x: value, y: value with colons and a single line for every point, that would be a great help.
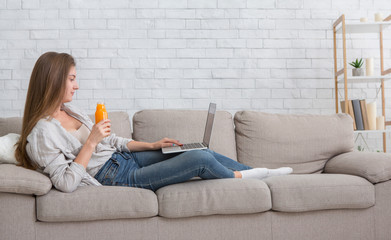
x: 357, y: 70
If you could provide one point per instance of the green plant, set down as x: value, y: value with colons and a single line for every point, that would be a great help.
x: 357, y: 63
x: 360, y: 149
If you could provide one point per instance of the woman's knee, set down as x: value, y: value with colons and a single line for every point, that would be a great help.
x: 208, y: 151
x: 201, y: 157
x: 202, y: 153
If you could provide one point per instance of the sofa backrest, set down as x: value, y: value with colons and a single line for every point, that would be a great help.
x: 303, y: 142
x: 120, y: 124
x: 10, y: 125
x: 187, y: 126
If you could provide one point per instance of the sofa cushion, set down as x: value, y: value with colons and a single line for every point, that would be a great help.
x: 96, y: 203
x: 8, y: 147
x: 375, y: 167
x: 120, y: 123
x: 303, y: 142
x: 309, y: 192
x: 187, y: 126
x: 218, y: 196
x: 15, y: 179
x: 10, y: 125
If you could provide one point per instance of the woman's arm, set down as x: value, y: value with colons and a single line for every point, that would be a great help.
x: 136, y: 146
x: 98, y: 132
x: 84, y: 156
x: 45, y: 148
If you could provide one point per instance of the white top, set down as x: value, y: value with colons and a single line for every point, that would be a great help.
x: 81, y: 134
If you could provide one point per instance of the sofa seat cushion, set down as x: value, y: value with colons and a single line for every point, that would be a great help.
x: 96, y: 203
x: 15, y: 179
x: 218, y: 196
x: 309, y: 192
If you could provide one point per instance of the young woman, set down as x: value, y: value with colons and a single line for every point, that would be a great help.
x: 62, y: 142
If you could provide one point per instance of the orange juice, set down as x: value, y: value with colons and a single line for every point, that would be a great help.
x: 100, y: 113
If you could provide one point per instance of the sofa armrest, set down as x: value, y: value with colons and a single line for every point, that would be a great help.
x: 375, y: 167
x: 15, y: 179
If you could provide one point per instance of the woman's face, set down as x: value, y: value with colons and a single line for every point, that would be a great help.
x: 71, y: 85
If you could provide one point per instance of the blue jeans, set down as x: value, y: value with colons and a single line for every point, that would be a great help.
x: 153, y: 170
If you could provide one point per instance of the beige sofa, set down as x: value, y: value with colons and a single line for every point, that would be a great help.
x: 334, y: 193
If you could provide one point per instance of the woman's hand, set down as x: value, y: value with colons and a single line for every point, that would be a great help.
x: 135, y: 146
x: 165, y: 142
x: 99, y: 131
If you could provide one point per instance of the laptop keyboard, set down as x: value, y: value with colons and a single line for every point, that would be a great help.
x: 191, y: 146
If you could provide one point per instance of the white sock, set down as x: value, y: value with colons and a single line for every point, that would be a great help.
x: 279, y: 171
x: 261, y: 173
x: 257, y: 173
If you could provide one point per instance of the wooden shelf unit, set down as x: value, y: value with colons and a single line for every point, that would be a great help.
x: 341, y: 27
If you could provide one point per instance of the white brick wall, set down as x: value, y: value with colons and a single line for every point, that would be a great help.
x: 269, y: 55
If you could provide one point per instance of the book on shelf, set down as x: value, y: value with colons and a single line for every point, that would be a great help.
x: 349, y: 111
x: 357, y: 109
x: 364, y: 113
x: 357, y: 114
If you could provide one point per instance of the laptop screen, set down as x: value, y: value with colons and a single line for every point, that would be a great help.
x: 209, y: 123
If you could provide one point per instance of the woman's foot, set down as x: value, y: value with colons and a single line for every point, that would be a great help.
x: 280, y: 171
x: 262, y: 173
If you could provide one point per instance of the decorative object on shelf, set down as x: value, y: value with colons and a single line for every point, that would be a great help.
x: 380, y: 123
x: 369, y: 66
x: 363, y: 19
x: 357, y: 70
x: 360, y: 148
x: 371, y: 111
x: 362, y: 145
x: 378, y: 17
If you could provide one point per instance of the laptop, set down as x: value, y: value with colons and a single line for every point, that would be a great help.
x: 207, y: 134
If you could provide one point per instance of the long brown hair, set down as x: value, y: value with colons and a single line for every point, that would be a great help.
x: 45, y: 93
